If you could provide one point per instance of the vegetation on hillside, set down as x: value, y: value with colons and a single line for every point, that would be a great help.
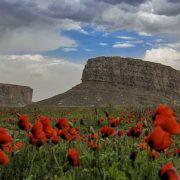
x: 86, y: 143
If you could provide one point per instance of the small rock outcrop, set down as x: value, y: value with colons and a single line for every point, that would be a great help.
x: 15, y: 95
x: 122, y: 81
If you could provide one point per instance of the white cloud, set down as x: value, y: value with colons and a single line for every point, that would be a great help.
x: 139, y: 19
x: 144, y: 34
x: 88, y: 50
x: 159, y: 40
x: 103, y: 44
x: 32, y: 25
x: 67, y: 24
x: 47, y: 76
x: 125, y: 37
x: 123, y: 45
x: 174, y: 45
x: 26, y: 57
x: 166, y: 56
x: 106, y: 34
x: 166, y: 7
x: 25, y: 40
x: 69, y: 49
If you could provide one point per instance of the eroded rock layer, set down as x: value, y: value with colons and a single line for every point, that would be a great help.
x: 15, y: 95
x: 122, y: 81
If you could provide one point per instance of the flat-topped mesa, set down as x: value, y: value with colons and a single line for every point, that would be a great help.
x: 133, y: 73
x: 15, y: 95
x: 121, y: 81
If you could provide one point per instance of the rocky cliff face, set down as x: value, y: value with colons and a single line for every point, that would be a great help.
x: 122, y: 81
x: 123, y: 72
x: 15, y: 95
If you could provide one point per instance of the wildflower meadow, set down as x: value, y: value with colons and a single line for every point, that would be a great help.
x: 90, y: 143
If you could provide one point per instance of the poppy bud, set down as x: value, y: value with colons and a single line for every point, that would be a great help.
x: 73, y: 157
x: 133, y: 156
x: 4, y: 159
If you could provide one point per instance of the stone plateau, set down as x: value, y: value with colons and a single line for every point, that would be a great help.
x: 121, y: 81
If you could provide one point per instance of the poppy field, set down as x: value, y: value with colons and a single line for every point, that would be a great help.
x: 89, y: 143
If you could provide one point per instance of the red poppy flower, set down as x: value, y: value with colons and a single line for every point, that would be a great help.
x: 100, y: 120
x: 155, y: 154
x: 73, y: 131
x: 168, y: 172
x: 93, y: 145
x: 93, y: 136
x: 4, y: 159
x: 120, y: 133
x: 24, y: 123
x: 159, y: 139
x: 135, y: 131
x: 38, y: 137
x: 55, y: 137
x: 5, y: 137
x: 73, y: 157
x: 24, y: 117
x: 114, y: 122
x: 63, y: 124
x: 166, y: 118
x: 65, y: 135
x: 142, y: 146
x: 164, y: 109
x: 47, y: 128
x: 107, y: 131
x: 6, y: 147
x: 37, y: 130
x: 74, y: 134
x: 2, y: 130
x: 168, y: 123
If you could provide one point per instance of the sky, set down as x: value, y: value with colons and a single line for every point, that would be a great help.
x: 45, y: 44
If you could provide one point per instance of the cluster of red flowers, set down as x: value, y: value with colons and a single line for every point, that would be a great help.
x: 107, y: 131
x: 7, y: 146
x: 42, y: 131
x: 114, y: 121
x: 37, y: 136
x: 135, y: 131
x: 166, y: 119
x: 165, y: 125
x: 5, y: 140
x: 92, y: 141
x: 168, y: 172
x: 159, y: 139
x: 63, y: 124
x: 24, y: 123
x: 65, y: 131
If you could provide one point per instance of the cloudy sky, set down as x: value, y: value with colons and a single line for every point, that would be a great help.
x: 45, y: 43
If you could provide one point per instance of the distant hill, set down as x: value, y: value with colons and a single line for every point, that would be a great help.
x: 121, y: 81
x: 15, y: 95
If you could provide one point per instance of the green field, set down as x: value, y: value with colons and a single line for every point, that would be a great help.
x: 114, y: 158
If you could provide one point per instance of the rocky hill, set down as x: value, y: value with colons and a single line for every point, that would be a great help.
x: 121, y: 81
x: 15, y: 95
